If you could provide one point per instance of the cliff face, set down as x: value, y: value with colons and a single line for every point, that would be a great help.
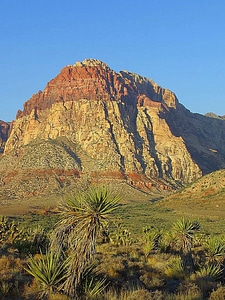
x: 4, y: 132
x: 91, y: 121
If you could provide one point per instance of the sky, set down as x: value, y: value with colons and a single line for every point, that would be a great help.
x: 180, y: 44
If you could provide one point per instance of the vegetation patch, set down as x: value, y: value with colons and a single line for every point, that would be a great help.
x: 146, y: 250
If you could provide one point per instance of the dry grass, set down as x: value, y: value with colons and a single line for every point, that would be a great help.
x: 140, y: 210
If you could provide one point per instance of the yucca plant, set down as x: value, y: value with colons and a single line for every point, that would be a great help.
x: 214, y: 249
x: 76, y: 233
x: 152, y: 238
x: 48, y: 270
x: 210, y: 271
x: 207, y: 277
x: 183, y: 231
x: 92, y: 283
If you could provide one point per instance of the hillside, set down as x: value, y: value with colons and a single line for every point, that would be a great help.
x: 202, y: 198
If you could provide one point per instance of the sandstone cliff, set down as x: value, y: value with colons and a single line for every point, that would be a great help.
x: 4, y: 132
x: 93, y: 122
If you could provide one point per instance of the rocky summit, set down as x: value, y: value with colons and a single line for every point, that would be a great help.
x: 93, y: 124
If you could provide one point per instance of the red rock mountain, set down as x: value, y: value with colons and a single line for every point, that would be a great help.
x: 91, y: 123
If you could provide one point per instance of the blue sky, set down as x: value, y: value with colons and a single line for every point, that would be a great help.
x: 180, y: 44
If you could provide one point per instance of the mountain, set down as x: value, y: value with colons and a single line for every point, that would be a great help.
x: 92, y: 124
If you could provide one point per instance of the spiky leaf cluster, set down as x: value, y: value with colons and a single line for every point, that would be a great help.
x: 76, y: 233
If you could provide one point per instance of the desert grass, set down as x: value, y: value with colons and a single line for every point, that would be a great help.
x: 132, y: 268
x: 139, y: 210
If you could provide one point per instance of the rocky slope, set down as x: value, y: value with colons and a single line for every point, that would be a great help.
x: 95, y: 124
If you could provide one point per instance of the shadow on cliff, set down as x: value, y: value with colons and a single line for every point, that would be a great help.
x: 204, y: 137
x: 128, y: 112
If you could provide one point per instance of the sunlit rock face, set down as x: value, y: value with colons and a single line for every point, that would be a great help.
x: 92, y: 120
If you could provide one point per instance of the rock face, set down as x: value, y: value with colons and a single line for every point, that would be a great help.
x: 4, y: 132
x: 93, y: 122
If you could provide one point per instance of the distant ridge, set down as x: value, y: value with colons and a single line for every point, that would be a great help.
x: 212, y: 115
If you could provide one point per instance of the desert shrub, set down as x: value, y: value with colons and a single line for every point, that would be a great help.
x: 133, y: 294
x: 32, y: 240
x: 218, y: 293
x: 176, y: 269
x: 10, y: 275
x: 25, y: 240
x: 113, y: 266
x: 5, y: 288
x: 152, y: 237
x: 120, y: 236
x: 58, y: 296
x: 9, y: 230
x: 135, y: 255
x: 152, y: 280
x: 143, y: 294
x: 188, y: 291
x: 31, y: 289
x: 111, y: 294
x: 166, y: 242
